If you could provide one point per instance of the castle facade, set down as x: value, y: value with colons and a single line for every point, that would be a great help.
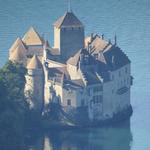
x: 85, y: 75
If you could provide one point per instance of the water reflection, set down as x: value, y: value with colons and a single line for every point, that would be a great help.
x: 112, y: 138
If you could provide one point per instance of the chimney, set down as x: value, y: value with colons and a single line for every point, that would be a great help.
x: 92, y: 36
x: 109, y: 41
x: 115, y: 40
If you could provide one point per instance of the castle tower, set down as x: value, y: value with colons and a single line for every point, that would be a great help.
x: 68, y: 35
x: 34, y: 88
x: 17, y: 52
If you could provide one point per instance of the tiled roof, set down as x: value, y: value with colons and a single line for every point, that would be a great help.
x: 18, y: 43
x: 107, y: 53
x: 91, y: 77
x: 18, y: 54
x: 75, y: 59
x: 72, y: 84
x: 58, y: 73
x: 34, y: 63
x: 68, y: 20
x: 115, y: 58
x: 98, y: 44
x: 32, y: 37
x: 54, y: 51
x: 78, y: 82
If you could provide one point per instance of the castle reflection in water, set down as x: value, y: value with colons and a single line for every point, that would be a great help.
x: 112, y: 138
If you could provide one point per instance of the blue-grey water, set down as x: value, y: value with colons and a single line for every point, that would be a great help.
x: 130, y: 21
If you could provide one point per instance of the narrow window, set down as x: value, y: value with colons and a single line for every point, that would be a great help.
x: 126, y: 70
x: 69, y: 102
x: 82, y: 102
x: 119, y: 73
x: 112, y: 77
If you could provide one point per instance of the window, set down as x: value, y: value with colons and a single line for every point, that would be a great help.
x: 97, y: 99
x: 126, y: 70
x: 122, y: 90
x: 119, y: 73
x: 112, y: 77
x: 69, y: 102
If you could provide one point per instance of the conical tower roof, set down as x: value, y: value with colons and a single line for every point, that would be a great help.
x: 34, y: 63
x: 32, y: 37
x: 18, y: 43
x: 68, y: 20
x: 18, y: 54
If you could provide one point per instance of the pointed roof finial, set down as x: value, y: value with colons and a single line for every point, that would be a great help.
x: 69, y: 6
x: 115, y: 39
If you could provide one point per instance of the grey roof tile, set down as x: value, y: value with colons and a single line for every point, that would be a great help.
x: 68, y: 20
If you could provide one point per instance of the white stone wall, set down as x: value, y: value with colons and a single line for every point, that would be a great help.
x: 71, y: 95
x: 120, y: 78
x: 46, y: 93
x: 56, y: 38
x: 95, y: 108
x: 108, y: 99
x: 111, y: 103
x: 34, y: 88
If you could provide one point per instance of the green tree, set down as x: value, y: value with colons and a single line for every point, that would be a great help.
x: 13, y: 106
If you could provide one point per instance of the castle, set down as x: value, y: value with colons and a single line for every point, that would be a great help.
x: 88, y: 75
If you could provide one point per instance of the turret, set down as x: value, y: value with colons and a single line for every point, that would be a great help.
x: 68, y: 35
x: 34, y: 88
x: 17, y: 52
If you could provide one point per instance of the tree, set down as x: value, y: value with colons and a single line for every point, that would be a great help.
x: 13, y: 106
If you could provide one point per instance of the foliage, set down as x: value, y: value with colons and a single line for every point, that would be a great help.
x: 13, y: 106
x: 53, y: 112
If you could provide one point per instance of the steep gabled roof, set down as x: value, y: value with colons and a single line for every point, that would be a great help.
x: 68, y: 20
x: 75, y: 59
x: 18, y: 43
x: 34, y: 63
x: 98, y: 44
x: 18, y: 54
x: 32, y: 37
x: 115, y: 58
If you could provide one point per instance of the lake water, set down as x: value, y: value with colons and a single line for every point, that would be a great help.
x: 130, y: 21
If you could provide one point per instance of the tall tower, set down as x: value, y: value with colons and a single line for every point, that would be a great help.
x: 68, y: 35
x: 34, y: 88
